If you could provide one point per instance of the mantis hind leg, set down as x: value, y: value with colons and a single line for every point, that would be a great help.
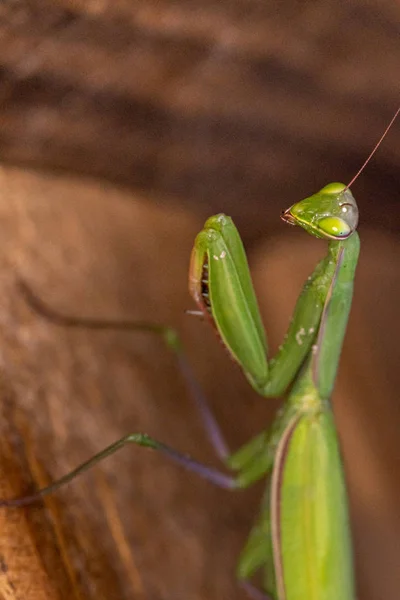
x: 170, y: 338
x: 213, y: 475
x: 238, y: 462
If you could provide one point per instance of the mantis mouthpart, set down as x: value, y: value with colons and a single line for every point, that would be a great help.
x: 301, y: 539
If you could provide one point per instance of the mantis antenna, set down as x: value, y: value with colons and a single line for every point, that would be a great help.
x: 374, y: 150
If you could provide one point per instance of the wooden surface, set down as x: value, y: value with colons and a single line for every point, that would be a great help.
x: 195, y: 107
x: 214, y: 105
x: 127, y: 529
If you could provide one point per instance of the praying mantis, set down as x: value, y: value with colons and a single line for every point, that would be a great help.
x: 301, y: 538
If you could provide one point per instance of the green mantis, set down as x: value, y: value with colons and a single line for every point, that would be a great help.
x: 301, y: 538
x: 304, y: 526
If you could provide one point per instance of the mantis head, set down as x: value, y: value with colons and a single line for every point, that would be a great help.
x: 332, y: 213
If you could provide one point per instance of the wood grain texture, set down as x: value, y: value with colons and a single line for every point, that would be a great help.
x: 211, y: 104
x: 136, y: 527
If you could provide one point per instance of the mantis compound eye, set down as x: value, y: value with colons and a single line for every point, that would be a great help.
x: 348, y: 211
x: 343, y: 220
x: 334, y: 227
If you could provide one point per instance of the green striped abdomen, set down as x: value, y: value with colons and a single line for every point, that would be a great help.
x: 313, y: 552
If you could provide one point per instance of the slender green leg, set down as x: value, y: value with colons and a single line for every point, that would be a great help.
x: 140, y: 439
x: 171, y: 339
x: 240, y: 462
x: 215, y: 437
x: 245, y: 475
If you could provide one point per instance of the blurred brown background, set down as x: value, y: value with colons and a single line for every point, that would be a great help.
x: 123, y: 125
